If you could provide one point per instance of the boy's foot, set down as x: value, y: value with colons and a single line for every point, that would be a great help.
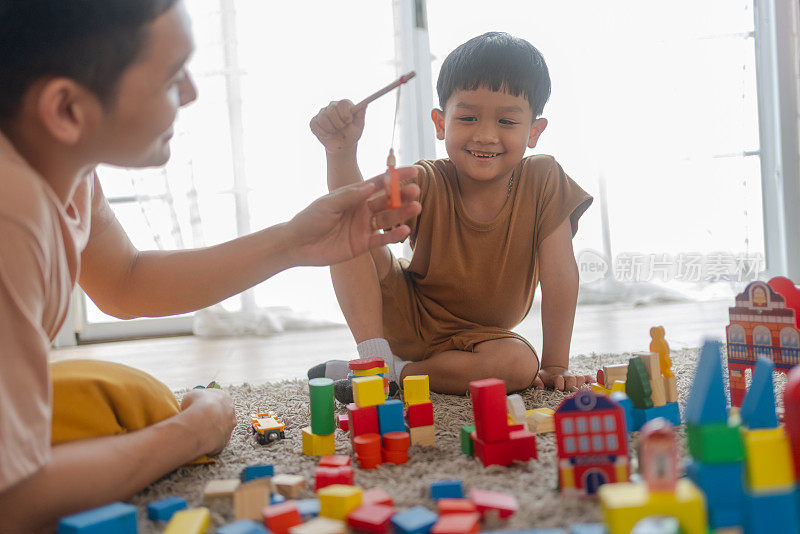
x: 343, y: 390
x: 333, y: 369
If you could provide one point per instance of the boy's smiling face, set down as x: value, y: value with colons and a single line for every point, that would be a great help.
x: 486, y: 132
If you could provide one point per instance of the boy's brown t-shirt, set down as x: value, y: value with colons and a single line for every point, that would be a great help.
x: 468, y: 275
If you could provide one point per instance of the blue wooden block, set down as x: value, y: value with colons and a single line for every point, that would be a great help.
x: 416, y: 520
x: 758, y: 407
x: 723, y: 484
x: 726, y: 517
x: 670, y: 411
x: 390, y: 416
x: 252, y: 472
x: 163, y: 509
x: 243, y: 526
x: 308, y: 508
x: 446, y: 489
x: 707, y: 402
x: 770, y: 513
x: 588, y: 528
x: 115, y: 518
x: 276, y: 498
x: 627, y: 405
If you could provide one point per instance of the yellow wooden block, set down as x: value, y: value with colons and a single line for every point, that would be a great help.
x: 289, y: 485
x: 423, y: 436
x: 416, y: 389
x: 670, y: 388
x: 516, y: 409
x: 618, y: 385
x: 625, y: 504
x: 320, y: 525
x: 600, y: 389
x: 566, y: 476
x: 368, y: 391
x: 249, y: 499
x: 768, y: 460
x: 317, y: 445
x: 220, y: 488
x: 193, y: 521
x: 338, y: 500
x: 371, y: 372
x: 540, y: 420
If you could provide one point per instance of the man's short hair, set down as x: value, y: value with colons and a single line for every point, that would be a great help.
x: 499, y: 62
x: 89, y: 41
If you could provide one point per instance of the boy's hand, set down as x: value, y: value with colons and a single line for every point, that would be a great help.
x: 216, y: 418
x: 338, y: 126
x: 559, y: 378
x: 344, y: 224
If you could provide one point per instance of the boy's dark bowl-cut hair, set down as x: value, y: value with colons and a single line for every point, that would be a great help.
x: 89, y: 41
x: 499, y: 62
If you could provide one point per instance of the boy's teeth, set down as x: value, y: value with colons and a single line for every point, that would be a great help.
x: 483, y: 155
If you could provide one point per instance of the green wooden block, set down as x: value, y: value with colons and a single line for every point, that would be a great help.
x: 467, y: 447
x: 637, y: 384
x: 715, y: 443
x: 322, y: 404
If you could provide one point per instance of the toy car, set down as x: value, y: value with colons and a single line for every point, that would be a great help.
x: 267, y: 427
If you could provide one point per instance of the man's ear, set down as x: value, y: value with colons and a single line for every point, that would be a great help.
x: 537, y: 128
x: 437, y: 116
x: 65, y: 108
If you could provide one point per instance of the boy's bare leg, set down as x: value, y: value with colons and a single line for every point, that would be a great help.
x: 451, y: 371
x: 358, y: 292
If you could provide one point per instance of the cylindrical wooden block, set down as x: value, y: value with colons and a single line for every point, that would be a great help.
x: 396, y: 441
x: 322, y: 403
x: 367, y: 445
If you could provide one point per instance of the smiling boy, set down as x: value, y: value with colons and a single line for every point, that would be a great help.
x: 494, y: 224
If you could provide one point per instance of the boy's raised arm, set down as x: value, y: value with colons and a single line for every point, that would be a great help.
x: 339, y: 127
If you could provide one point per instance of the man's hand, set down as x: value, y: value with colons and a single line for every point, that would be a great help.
x: 559, y: 378
x: 338, y: 126
x: 215, y: 416
x: 344, y: 224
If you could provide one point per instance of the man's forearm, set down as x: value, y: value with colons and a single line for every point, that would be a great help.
x: 559, y: 300
x: 88, y: 473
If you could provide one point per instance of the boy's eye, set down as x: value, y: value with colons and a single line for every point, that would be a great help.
x: 508, y: 122
x: 468, y: 119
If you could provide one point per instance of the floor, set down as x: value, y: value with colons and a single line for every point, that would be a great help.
x: 184, y: 362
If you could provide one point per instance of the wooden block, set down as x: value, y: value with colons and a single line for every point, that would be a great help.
x: 671, y: 388
x: 289, y: 485
x: 192, y: 521
x: 541, y: 420
x: 611, y: 373
x: 416, y: 389
x: 653, y: 366
x: 423, y: 436
x: 316, y: 445
x: 368, y: 391
x: 220, y: 488
x: 370, y: 372
x: 515, y: 407
x: 249, y: 500
x: 320, y: 525
x: 338, y: 500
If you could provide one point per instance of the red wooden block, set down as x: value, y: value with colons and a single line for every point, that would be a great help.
x: 524, y: 445
x: 365, y: 364
x: 343, y: 421
x: 504, y: 504
x: 420, y: 414
x: 328, y: 476
x: 520, y: 447
x: 396, y: 441
x: 395, y: 457
x: 369, y: 462
x: 363, y: 420
x: 279, y: 518
x: 489, y: 409
x: 376, y: 496
x: 367, y: 444
x: 334, y: 460
x: 458, y: 524
x: 512, y: 428
x: 371, y: 518
x: 455, y: 506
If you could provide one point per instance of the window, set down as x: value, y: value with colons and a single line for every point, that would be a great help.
x: 610, y: 424
x: 569, y: 445
x: 566, y: 425
x: 611, y: 442
x: 583, y: 443
x: 595, y: 423
x: 581, y: 424
x: 597, y: 443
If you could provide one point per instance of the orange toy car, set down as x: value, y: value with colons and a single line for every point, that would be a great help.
x: 267, y: 427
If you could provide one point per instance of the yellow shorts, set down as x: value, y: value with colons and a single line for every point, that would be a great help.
x: 412, y: 331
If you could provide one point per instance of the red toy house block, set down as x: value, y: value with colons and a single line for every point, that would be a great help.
x: 365, y: 364
x: 334, y: 460
x: 343, y: 421
x: 363, y: 420
x: 458, y: 524
x: 489, y: 408
x: 328, y: 476
x: 376, y: 496
x: 279, y: 518
x: 420, y: 414
x: 487, y: 502
x: 455, y: 506
x: 373, y: 518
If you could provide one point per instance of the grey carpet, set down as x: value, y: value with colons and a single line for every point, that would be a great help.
x: 533, y: 483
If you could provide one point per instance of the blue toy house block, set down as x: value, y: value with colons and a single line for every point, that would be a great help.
x: 243, y: 526
x: 627, y: 406
x: 163, y: 509
x: 252, y: 472
x: 707, y: 402
x: 308, y: 508
x: 416, y: 520
x: 447, y: 489
x: 769, y: 513
x: 758, y: 408
x: 115, y: 518
x: 670, y: 411
x: 390, y: 416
